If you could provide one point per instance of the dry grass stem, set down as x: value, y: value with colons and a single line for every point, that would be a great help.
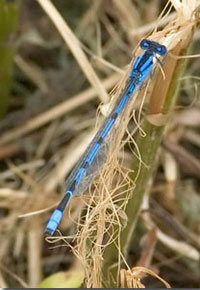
x: 54, y: 113
x: 74, y: 45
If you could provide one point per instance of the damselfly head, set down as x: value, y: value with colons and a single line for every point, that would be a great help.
x: 153, y: 46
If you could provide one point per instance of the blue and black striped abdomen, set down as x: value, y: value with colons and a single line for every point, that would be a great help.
x: 96, y: 154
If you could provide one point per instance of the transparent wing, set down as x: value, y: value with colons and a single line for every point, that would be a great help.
x: 96, y: 165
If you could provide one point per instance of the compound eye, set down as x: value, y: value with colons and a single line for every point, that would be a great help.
x: 161, y: 50
x: 144, y: 44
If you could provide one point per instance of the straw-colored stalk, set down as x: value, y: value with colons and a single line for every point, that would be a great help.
x: 178, y: 35
x: 102, y: 240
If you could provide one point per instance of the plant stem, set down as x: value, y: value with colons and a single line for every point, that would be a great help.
x: 163, y: 100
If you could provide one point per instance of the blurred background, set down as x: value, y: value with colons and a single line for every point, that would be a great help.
x: 48, y: 108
